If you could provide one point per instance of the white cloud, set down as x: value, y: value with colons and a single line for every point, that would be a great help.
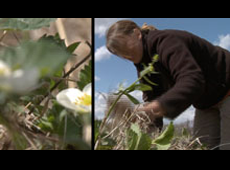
x: 102, y: 53
x: 100, y: 105
x: 138, y: 95
x: 102, y: 24
x: 224, y: 41
x: 187, y: 115
x: 100, y: 102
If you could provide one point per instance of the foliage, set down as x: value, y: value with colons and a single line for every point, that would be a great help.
x: 130, y: 135
x: 29, y: 74
x: 45, y: 56
x: 163, y: 142
x: 135, y: 139
x: 24, y: 23
x: 85, y: 76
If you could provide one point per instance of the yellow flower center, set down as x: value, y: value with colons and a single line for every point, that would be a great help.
x: 85, y: 99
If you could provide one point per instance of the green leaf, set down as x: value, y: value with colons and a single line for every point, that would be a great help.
x: 185, y: 132
x: 62, y: 115
x: 147, y: 70
x: 137, y: 140
x: 131, y: 139
x: 132, y: 99
x: 163, y: 142
x: 155, y: 58
x: 71, y: 48
x: 71, y: 128
x: 85, y: 76
x: 45, y: 56
x: 54, y: 39
x: 141, y: 87
x: 150, y: 82
x: 60, y: 42
x: 15, y: 107
x: 97, y: 124
x: 45, y: 125
x: 25, y: 23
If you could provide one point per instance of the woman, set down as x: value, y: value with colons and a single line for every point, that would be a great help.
x: 192, y: 71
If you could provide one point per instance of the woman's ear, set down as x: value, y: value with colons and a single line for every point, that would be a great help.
x: 137, y: 32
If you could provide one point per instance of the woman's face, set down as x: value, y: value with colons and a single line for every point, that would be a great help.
x: 133, y: 47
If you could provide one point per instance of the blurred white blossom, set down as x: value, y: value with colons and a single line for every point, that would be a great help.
x: 75, y: 99
x: 17, y: 81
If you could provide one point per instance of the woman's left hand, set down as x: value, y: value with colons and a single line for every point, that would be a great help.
x: 153, y: 109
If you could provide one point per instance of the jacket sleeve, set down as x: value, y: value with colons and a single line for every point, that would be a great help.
x: 176, y: 57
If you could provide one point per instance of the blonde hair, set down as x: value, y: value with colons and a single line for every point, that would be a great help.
x: 115, y: 34
x: 146, y: 27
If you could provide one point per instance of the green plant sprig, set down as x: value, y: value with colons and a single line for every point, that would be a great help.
x: 134, y: 86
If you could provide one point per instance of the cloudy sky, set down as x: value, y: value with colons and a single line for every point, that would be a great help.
x: 110, y: 70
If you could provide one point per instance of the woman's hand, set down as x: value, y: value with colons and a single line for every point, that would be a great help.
x: 154, y: 110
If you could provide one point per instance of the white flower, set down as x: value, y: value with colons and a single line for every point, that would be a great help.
x: 4, y: 69
x: 18, y: 81
x: 75, y: 99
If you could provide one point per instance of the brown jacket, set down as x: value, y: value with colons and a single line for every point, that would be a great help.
x: 192, y: 70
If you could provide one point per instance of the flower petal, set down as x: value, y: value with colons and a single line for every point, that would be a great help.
x: 88, y: 89
x: 67, y: 97
x: 4, y: 69
x: 24, y: 81
x: 83, y: 109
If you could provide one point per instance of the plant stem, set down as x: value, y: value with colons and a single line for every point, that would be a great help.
x: 105, y: 119
x: 101, y: 128
x: 65, y: 75
x: 3, y: 35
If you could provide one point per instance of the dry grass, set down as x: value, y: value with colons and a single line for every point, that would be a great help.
x: 4, y: 138
x: 122, y: 117
x: 186, y: 143
x: 179, y: 142
x: 24, y: 124
x: 125, y: 114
